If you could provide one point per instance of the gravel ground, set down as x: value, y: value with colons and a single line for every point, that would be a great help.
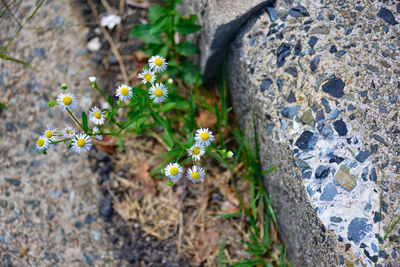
x: 48, y: 203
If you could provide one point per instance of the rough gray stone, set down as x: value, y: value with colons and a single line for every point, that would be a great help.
x: 221, y: 20
x: 303, y: 201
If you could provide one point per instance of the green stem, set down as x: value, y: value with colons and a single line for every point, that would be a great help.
x: 20, y: 28
x: 2, y: 13
x: 59, y: 141
x: 72, y: 115
x: 100, y: 91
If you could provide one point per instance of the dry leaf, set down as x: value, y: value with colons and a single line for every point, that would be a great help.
x: 140, y: 56
x: 145, y: 179
x: 106, y: 145
x: 206, y: 245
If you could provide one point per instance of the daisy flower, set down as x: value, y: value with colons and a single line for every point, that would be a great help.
x: 92, y: 79
x: 69, y: 132
x: 204, y: 137
x: 66, y: 100
x: 196, y: 174
x: 158, y: 92
x: 157, y: 64
x: 96, y: 116
x: 147, y: 76
x: 173, y: 171
x: 81, y: 143
x: 96, y: 130
x: 42, y: 143
x: 50, y: 133
x: 124, y: 92
x: 196, y: 151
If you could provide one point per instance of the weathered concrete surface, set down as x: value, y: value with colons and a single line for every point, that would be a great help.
x: 221, y: 20
x: 323, y: 82
x: 48, y: 203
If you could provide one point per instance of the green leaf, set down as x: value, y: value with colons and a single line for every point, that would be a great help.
x: 268, y: 170
x: 187, y: 49
x: 190, y: 140
x: 191, y: 73
x: 155, y: 11
x: 160, y: 25
x: 141, y: 30
x: 84, y: 122
x: 168, y: 138
x: 231, y: 215
x: 187, y: 25
x: 2, y: 106
x: 167, y: 107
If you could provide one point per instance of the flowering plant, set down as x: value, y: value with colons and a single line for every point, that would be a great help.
x: 145, y: 111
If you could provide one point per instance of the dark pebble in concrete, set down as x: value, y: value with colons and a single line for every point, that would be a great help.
x: 378, y: 217
x: 335, y: 219
x: 363, y: 155
x: 340, y: 53
x: 292, y: 71
x: 13, y: 181
x: 329, y: 193
x: 307, y: 140
x: 105, y: 208
x: 358, y: 229
x: 291, y: 97
x: 340, y: 127
x: 334, y: 87
x: 325, y: 130
x: 320, y: 116
x: 372, y: 176
x: 387, y: 16
x: 265, y: 84
x: 364, y: 174
x: 325, y: 103
x: 312, y: 41
x: 271, y: 13
x: 283, y: 51
x: 322, y: 172
x: 336, y: 159
x: 297, y: 48
x: 290, y: 111
x: 314, y: 63
x: 299, y: 11
x: 333, y: 49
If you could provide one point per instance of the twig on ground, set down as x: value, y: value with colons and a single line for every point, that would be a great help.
x: 107, y: 6
x: 121, y: 14
x: 114, y: 48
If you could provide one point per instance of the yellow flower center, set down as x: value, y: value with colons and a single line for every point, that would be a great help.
x: 97, y: 115
x: 124, y: 91
x: 195, y: 175
x: 69, y: 131
x: 158, y: 62
x: 67, y: 100
x: 204, y: 136
x: 148, y: 77
x: 174, y: 171
x: 158, y: 93
x: 196, y: 151
x: 40, y: 142
x: 81, y: 142
x: 49, y: 134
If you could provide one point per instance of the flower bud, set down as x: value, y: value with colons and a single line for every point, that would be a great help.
x: 64, y: 86
x: 92, y: 79
x: 229, y: 154
x: 51, y: 103
x: 170, y: 183
x: 119, y: 102
x: 170, y: 81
